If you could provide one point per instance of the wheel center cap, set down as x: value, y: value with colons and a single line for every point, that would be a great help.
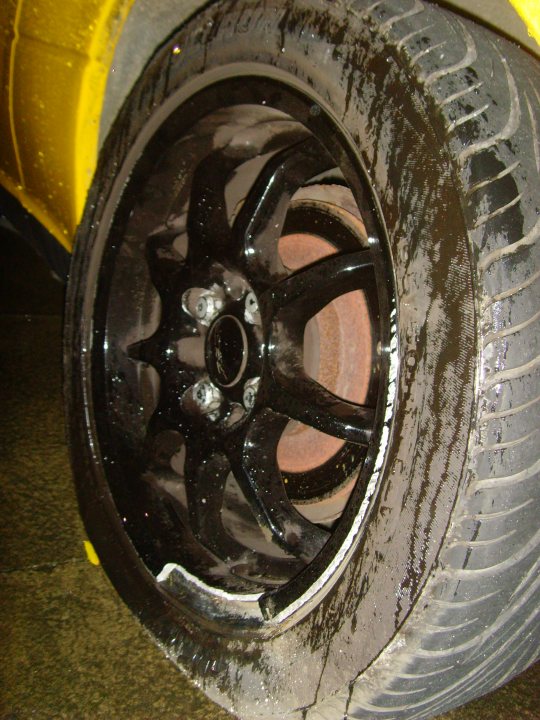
x: 227, y: 350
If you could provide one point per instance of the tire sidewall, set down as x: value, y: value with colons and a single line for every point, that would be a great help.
x: 357, y: 79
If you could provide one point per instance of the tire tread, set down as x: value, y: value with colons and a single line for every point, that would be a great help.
x: 477, y: 624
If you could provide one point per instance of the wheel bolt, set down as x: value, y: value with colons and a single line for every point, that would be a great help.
x: 201, y: 308
x: 252, y: 313
x: 250, y: 392
x: 204, y: 305
x: 207, y: 396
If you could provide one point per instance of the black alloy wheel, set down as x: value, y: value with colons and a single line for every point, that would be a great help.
x: 223, y: 300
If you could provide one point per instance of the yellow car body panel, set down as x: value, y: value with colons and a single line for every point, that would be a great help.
x: 55, y: 58
x: 9, y: 166
x: 529, y: 10
x: 55, y: 62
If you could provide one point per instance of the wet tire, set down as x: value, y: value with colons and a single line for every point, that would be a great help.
x: 426, y: 593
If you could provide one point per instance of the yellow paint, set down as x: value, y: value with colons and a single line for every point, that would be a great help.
x: 90, y: 552
x: 106, y: 33
x: 59, y: 58
x: 530, y: 12
x: 8, y: 21
x: 11, y: 86
x: 34, y: 206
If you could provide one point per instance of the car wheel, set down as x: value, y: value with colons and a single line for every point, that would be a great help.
x: 302, y: 368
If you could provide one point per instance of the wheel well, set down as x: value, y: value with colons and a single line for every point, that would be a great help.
x: 148, y: 26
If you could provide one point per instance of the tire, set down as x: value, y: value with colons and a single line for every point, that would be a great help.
x: 403, y: 580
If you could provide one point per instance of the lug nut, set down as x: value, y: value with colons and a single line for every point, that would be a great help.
x: 207, y: 396
x: 252, y: 313
x: 204, y: 305
x: 250, y: 392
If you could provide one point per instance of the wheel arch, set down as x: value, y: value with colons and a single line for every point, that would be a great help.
x: 148, y: 26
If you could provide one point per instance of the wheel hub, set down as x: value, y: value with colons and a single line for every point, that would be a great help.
x: 227, y: 351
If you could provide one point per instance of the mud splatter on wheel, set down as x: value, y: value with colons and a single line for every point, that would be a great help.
x: 302, y: 352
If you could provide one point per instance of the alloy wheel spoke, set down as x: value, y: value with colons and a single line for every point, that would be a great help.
x: 146, y: 351
x: 164, y: 262
x: 208, y: 226
x: 260, y: 221
x: 165, y: 418
x: 175, y: 374
x: 301, y: 398
x: 253, y: 457
x: 302, y: 295
x: 205, y: 476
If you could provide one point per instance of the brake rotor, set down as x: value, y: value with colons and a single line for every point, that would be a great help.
x: 337, y: 346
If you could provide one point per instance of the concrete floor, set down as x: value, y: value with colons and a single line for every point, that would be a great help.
x: 70, y: 649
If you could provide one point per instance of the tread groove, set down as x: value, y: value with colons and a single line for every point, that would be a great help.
x: 505, y: 445
x: 501, y: 480
x: 512, y: 124
x: 404, y: 40
x: 529, y: 239
x: 467, y: 118
x: 525, y: 580
x: 505, y: 294
x: 462, y: 603
x: 483, y: 219
x: 482, y: 517
x: 534, y: 128
x: 416, y: 676
x: 511, y: 329
x: 451, y: 628
x: 481, y: 543
x: 457, y: 687
x: 417, y: 8
x: 427, y: 51
x: 367, y: 10
x: 471, y: 644
x: 500, y: 414
x: 510, y: 373
x: 510, y: 562
x: 469, y: 57
x: 484, y: 183
x: 460, y: 94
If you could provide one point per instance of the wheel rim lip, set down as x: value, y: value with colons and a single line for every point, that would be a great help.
x: 313, y: 582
